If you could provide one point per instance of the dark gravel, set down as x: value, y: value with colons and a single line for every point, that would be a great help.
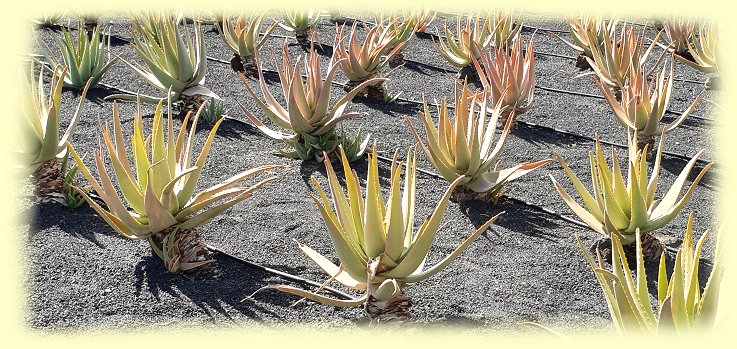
x: 527, y: 267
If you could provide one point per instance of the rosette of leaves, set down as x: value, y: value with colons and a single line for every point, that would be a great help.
x: 620, y: 58
x: 242, y: 36
x: 587, y: 32
x: 307, y: 115
x: 422, y: 19
x: 85, y: 57
x: 374, y: 240
x: 504, y: 27
x: 39, y: 142
x: 620, y: 206
x: 472, y: 38
x: 643, y: 106
x: 682, y: 306
x: 508, y: 77
x: 397, y: 31
x: 360, y: 63
x: 463, y: 149
x: 174, y: 61
x: 703, y: 51
x: 301, y: 22
x: 158, y: 201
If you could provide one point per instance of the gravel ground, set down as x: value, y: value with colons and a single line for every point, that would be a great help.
x: 527, y: 267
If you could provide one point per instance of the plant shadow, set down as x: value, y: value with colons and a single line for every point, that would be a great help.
x: 517, y: 217
x: 228, y: 286
x: 537, y: 135
x: 45, y: 215
x: 675, y: 165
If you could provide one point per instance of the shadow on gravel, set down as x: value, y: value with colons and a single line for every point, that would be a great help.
x: 399, y: 107
x: 675, y: 165
x: 539, y: 135
x: 423, y: 68
x: 233, y: 282
x: 47, y: 215
x: 534, y: 224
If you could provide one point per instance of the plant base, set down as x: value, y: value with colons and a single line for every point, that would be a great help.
x: 188, y: 253
x: 646, y: 140
x: 303, y: 37
x: 376, y: 92
x: 393, y: 310
x: 652, y: 248
x: 461, y: 194
x: 48, y: 182
x: 582, y: 63
x: 397, y: 60
x: 468, y: 72
x: 245, y: 65
x: 187, y: 104
x: 424, y: 35
x: 90, y: 24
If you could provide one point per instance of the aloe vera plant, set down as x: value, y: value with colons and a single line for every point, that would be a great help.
x: 464, y: 148
x: 587, y: 32
x: 242, y: 37
x: 307, y: 114
x: 158, y: 201
x: 85, y: 59
x: 623, y: 208
x: 375, y: 241
x: 360, y: 63
x: 508, y: 77
x: 39, y: 142
x: 301, y: 22
x: 473, y: 36
x: 621, y: 57
x: 683, y: 307
x: 643, y: 106
x: 175, y: 62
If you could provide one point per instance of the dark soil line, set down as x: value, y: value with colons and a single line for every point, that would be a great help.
x: 250, y: 264
x: 572, y: 134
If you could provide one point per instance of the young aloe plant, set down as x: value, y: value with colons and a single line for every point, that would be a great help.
x: 398, y: 30
x: 242, y: 37
x: 620, y: 58
x: 158, y: 200
x: 682, y: 307
x: 374, y: 240
x: 464, y: 150
x: 623, y: 208
x: 642, y: 106
x: 422, y: 19
x: 504, y: 27
x: 307, y: 114
x: 360, y: 63
x: 84, y: 59
x: 39, y: 142
x: 175, y: 62
x: 471, y: 40
x: 588, y: 32
x: 704, y: 51
x: 508, y: 77
x: 301, y: 22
